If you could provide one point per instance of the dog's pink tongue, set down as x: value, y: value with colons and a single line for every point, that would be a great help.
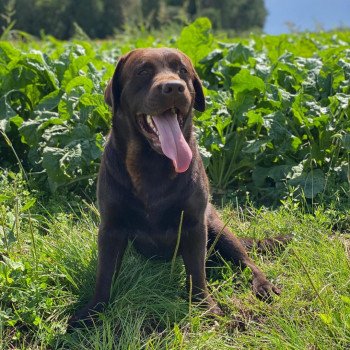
x: 173, y: 144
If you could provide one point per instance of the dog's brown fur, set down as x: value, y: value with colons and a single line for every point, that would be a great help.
x: 141, y: 197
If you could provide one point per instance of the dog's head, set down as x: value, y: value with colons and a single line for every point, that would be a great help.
x: 153, y: 92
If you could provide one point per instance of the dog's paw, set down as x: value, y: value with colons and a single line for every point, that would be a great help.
x: 210, y: 308
x: 263, y: 289
x: 75, y: 322
x: 82, y: 319
x: 215, y: 310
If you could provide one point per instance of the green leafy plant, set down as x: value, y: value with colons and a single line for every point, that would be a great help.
x: 275, y: 124
x: 53, y: 108
x: 277, y: 120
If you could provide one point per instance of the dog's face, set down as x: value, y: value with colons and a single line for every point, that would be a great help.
x: 153, y: 91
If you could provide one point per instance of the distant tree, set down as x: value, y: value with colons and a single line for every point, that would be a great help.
x: 100, y: 18
x: 175, y: 2
x: 97, y: 18
x: 192, y: 7
x: 88, y: 14
x: 7, y: 11
x: 240, y: 15
x: 150, y: 11
x: 52, y: 16
x: 214, y: 14
x: 112, y: 17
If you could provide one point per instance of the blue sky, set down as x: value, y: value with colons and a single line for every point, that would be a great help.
x: 306, y: 14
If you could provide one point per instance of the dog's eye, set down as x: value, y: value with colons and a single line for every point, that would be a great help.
x: 183, y: 70
x: 143, y: 72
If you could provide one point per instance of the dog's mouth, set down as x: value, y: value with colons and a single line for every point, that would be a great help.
x: 164, y: 131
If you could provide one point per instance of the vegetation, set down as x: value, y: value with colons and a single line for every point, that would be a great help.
x: 276, y: 131
x: 277, y: 119
x: 101, y: 18
x: 47, y: 268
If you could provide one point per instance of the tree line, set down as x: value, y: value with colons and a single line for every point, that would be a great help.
x: 102, y: 18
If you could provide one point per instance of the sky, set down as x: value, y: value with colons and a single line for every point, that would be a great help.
x: 306, y: 15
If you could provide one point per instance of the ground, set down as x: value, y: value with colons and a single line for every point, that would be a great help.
x: 47, y: 270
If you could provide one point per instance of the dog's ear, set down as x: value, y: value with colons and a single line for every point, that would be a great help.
x: 199, y: 100
x: 108, y: 94
x: 114, y: 88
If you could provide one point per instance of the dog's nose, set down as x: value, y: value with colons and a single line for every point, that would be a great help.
x: 173, y: 87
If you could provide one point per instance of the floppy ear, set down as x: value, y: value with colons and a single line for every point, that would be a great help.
x: 108, y: 94
x: 114, y: 88
x: 199, y: 99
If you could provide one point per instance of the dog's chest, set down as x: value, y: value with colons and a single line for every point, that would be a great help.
x: 159, y: 197
x: 155, y: 244
x: 154, y: 230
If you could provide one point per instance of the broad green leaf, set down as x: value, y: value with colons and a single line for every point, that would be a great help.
x: 259, y: 175
x: 346, y: 66
x: 212, y: 57
x: 8, y: 52
x: 312, y: 183
x: 196, y: 40
x: 12, y: 264
x: 276, y: 173
x: 68, y: 105
x: 279, y: 172
x: 239, y: 53
x: 51, y: 163
x: 28, y: 204
x: 296, y: 142
x: 73, y: 69
x: 240, y: 105
x: 29, y: 132
x: 254, y: 118
x: 20, y: 103
x: 50, y: 101
x: 80, y: 81
x: 254, y: 146
x: 344, y: 100
x: 6, y: 112
x: 244, y: 81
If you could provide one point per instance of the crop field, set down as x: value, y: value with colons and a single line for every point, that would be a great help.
x: 275, y: 141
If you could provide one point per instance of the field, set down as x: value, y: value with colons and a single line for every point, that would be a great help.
x: 275, y: 140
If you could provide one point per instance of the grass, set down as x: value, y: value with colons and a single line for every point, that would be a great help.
x: 40, y: 289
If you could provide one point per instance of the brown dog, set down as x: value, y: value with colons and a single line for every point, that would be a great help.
x: 151, y: 172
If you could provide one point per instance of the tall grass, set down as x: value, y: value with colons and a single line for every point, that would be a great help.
x: 149, y: 307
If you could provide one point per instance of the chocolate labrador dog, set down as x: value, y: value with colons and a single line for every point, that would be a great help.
x: 151, y: 174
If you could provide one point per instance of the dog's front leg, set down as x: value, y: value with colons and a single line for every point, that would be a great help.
x: 111, y: 246
x: 193, y: 251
